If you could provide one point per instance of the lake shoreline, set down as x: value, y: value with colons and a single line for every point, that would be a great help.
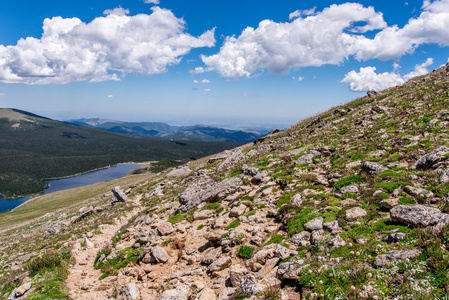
x: 34, y: 195
x: 63, y: 187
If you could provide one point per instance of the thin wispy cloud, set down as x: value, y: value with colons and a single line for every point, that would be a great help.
x: 207, y: 90
x: 152, y: 1
x: 110, y: 96
x: 2, y: 94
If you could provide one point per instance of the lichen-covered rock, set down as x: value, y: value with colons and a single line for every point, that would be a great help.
x: 349, y: 189
x: 120, y: 195
x: 238, y: 210
x: 332, y: 226
x: 236, y: 274
x: 211, y: 255
x: 206, y: 190
x: 432, y: 158
x: 202, y: 215
x: 220, y: 264
x: 396, y: 256
x: 336, y: 242
x: 179, y: 172
x: 180, y: 292
x: 355, y: 213
x: 128, y: 292
x: 298, y: 238
x: 315, y: 224
x: 389, y: 203
x: 417, y: 215
x: 165, y: 228
x: 249, y: 285
x: 372, y: 167
x: 418, y: 192
x: 236, y: 157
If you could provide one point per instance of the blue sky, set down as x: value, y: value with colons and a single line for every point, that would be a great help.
x: 222, y: 62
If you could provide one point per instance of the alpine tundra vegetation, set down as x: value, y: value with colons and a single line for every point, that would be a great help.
x: 348, y: 204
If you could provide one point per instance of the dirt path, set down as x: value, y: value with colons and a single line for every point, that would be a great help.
x: 82, y: 281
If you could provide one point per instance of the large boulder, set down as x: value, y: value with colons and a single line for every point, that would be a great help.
x: 207, y: 191
x: 372, y: 167
x: 418, y: 192
x: 431, y: 159
x: 179, y: 172
x: 236, y: 157
x: 417, y: 215
x: 395, y: 256
x: 315, y: 224
x: 120, y: 196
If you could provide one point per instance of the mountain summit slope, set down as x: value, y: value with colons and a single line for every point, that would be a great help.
x: 348, y: 204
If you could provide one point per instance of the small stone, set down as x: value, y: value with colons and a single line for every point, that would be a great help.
x: 355, y: 213
x: 389, y: 203
x: 236, y: 274
x: 128, y: 292
x: 300, y: 237
x: 202, y: 215
x: 336, y: 242
x: 165, y: 228
x: 349, y: 189
x: 332, y: 226
x: 180, y: 292
x: 220, y: 264
x: 238, y: 210
x: 159, y: 254
x: 315, y: 224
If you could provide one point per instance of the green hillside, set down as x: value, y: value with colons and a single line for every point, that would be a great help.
x: 33, y: 148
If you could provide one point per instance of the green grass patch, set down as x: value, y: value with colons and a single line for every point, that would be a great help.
x: 295, y: 225
x: 275, y: 239
x: 347, y: 181
x: 233, y: 225
x: 176, y: 218
x: 245, y: 252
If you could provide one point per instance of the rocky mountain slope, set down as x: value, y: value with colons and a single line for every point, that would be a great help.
x: 348, y: 204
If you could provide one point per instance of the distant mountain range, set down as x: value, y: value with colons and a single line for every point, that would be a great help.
x: 33, y: 148
x: 163, y: 130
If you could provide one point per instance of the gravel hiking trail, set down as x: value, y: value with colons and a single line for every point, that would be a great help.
x: 83, y: 281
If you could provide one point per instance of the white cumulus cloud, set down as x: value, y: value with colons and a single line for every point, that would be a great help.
x: 420, y: 69
x: 367, y: 79
x: 207, y: 90
x: 195, y: 81
x: 205, y: 81
x: 107, y: 48
x: 110, y: 96
x: 312, y: 41
x: 330, y: 36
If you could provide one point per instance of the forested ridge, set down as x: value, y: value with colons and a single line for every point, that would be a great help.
x: 34, y: 148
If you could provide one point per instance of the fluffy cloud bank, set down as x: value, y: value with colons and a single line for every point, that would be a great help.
x: 327, y: 37
x: 104, y: 49
x: 368, y: 79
